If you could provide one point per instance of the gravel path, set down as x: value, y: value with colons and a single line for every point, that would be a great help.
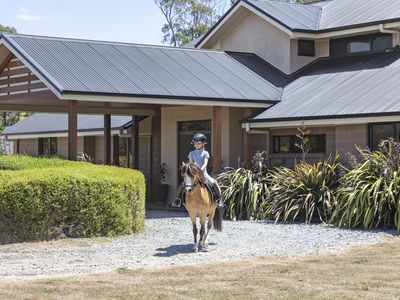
x: 168, y: 241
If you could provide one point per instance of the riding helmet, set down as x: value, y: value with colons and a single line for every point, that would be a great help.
x: 199, y: 137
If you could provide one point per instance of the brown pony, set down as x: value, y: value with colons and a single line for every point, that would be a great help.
x: 198, y: 203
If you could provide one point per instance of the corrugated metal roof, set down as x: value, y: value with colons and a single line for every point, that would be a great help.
x: 341, y: 87
x: 324, y: 15
x: 47, y: 123
x: 82, y: 66
x: 342, y: 13
x: 290, y: 14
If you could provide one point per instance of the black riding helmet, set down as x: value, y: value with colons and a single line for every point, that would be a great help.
x: 199, y: 137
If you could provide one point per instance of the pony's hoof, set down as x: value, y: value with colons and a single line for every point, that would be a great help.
x: 195, y: 249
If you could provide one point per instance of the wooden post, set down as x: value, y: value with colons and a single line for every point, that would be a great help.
x: 135, y: 142
x: 72, y: 130
x: 107, y: 139
x: 216, y: 139
x: 247, y: 151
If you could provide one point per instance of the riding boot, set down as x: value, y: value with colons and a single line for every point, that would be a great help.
x: 217, y: 192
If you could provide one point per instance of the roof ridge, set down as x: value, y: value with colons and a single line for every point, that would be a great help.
x: 11, y: 35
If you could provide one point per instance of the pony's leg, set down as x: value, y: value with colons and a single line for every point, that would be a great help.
x: 209, y: 226
x: 193, y: 219
x: 202, y: 230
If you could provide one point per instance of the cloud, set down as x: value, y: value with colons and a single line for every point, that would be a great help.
x: 24, y: 15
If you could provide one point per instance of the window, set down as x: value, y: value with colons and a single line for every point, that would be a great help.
x: 47, y: 146
x: 382, y: 131
x: 306, y: 48
x: 360, y: 44
x: 287, y: 144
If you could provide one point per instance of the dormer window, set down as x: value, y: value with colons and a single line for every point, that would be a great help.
x: 360, y: 44
x: 306, y: 48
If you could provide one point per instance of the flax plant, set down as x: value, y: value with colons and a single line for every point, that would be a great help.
x: 244, y: 189
x: 369, y: 196
x: 304, y: 193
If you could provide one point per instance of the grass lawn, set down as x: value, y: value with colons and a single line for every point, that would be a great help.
x: 361, y: 272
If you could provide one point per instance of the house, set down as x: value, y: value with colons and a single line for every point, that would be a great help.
x: 261, y: 71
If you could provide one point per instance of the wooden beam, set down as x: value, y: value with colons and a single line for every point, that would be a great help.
x: 135, y: 142
x: 6, y: 61
x: 22, y: 87
x: 107, y: 139
x: 72, y: 131
x: 216, y: 139
x: 247, y: 151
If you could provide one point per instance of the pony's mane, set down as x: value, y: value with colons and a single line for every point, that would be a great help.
x: 194, y: 171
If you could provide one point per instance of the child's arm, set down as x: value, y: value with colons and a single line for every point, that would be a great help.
x: 204, y: 166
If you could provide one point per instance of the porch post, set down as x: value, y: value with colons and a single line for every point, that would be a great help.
x: 246, y: 140
x: 72, y: 130
x: 135, y: 142
x: 107, y: 139
x: 216, y: 138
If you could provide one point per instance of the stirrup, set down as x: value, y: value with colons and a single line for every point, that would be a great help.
x: 177, y: 202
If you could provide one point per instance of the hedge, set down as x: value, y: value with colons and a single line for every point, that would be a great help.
x: 49, y: 198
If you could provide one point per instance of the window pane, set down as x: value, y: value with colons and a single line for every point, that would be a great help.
x: 317, y: 144
x: 359, y: 45
x: 338, y: 47
x: 381, y: 132
x: 382, y: 42
x: 284, y: 144
x: 306, y: 48
x: 195, y: 125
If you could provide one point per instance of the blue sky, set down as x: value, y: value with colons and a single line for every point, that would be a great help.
x: 137, y: 21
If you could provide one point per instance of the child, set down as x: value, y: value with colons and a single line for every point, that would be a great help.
x: 201, y: 157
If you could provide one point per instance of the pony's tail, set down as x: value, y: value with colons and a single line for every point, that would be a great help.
x: 218, y: 216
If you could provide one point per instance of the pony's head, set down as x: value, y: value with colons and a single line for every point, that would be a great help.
x: 192, y: 175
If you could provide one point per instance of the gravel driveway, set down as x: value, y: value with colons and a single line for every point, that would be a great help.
x: 168, y: 241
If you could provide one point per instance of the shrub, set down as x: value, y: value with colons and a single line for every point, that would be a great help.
x: 245, y: 189
x: 67, y: 199
x: 369, y: 195
x: 304, y: 193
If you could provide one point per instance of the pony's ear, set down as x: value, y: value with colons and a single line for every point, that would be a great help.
x: 183, y: 163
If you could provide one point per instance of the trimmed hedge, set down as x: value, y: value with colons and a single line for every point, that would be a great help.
x: 49, y: 198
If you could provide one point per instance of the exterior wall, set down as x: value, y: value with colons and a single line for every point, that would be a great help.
x: 350, y: 136
x: 62, y: 145
x: 340, y: 139
x: 297, y: 62
x: 29, y: 146
x: 255, y: 35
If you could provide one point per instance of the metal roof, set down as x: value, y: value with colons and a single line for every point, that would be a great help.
x: 341, y: 87
x: 321, y: 16
x: 120, y: 69
x: 57, y: 123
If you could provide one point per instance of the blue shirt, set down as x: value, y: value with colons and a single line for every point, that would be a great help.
x: 198, y: 157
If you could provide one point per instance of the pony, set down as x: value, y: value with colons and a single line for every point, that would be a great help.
x: 199, y: 203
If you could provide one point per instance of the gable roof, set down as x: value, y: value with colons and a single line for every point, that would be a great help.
x: 118, y: 69
x: 320, y: 17
x: 342, y: 87
x: 58, y: 123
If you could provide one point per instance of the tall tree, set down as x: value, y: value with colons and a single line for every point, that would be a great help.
x: 187, y: 20
x: 7, y: 29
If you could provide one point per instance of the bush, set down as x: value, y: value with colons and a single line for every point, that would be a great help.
x: 42, y: 199
x: 305, y: 193
x: 369, y: 195
x: 244, y: 189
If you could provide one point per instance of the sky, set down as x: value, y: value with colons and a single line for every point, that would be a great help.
x: 136, y: 21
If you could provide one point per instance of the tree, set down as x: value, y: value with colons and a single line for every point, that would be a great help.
x: 187, y: 20
x: 7, y: 29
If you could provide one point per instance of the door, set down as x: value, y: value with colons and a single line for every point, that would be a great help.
x: 186, y: 130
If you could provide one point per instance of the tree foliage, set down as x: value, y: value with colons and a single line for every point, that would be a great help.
x: 7, y: 29
x: 187, y: 20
